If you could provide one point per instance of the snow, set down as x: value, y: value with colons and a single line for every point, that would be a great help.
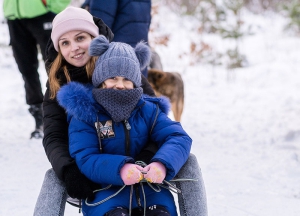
x: 244, y: 123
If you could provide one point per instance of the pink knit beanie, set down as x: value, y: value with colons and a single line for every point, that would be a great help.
x: 72, y: 18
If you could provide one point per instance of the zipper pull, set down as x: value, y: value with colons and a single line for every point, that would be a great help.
x: 127, y: 125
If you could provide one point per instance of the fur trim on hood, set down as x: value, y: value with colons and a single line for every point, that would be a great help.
x: 78, y: 101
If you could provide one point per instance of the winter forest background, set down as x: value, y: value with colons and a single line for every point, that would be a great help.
x: 240, y: 64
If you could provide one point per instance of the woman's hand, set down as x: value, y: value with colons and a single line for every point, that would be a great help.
x: 77, y: 185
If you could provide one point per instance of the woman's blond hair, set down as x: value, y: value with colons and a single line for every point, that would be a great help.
x: 55, y: 82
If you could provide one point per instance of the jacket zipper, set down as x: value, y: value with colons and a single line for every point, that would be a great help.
x: 127, y: 136
x: 136, y: 187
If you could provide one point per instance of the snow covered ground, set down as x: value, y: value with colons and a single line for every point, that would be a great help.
x: 246, y: 129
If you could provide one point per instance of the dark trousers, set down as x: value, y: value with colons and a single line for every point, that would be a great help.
x: 25, y: 35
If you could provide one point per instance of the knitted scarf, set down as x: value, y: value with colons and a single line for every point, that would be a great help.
x: 118, y: 103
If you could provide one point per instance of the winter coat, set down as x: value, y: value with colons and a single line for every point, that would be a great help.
x: 56, y: 141
x: 129, y: 20
x: 20, y: 9
x: 173, y: 142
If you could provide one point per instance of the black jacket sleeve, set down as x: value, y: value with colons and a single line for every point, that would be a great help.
x: 56, y: 142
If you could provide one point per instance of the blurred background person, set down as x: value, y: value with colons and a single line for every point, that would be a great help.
x: 30, y: 23
x: 129, y: 20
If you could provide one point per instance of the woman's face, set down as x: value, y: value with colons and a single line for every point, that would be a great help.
x: 74, y: 47
x: 119, y: 83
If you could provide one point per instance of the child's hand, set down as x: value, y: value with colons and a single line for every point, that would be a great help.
x: 131, y: 174
x: 155, y: 172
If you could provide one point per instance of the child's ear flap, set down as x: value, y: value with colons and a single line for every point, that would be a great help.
x: 143, y: 54
x: 98, y: 46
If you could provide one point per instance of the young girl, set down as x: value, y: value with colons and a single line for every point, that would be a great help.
x: 125, y: 120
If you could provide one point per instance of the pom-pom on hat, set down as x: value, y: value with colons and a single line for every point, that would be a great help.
x: 118, y: 59
x: 72, y: 18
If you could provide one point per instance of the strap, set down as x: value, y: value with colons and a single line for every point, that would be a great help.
x: 156, y: 115
x: 99, y: 135
x: 104, y: 200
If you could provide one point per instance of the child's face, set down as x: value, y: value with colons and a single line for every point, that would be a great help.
x: 74, y: 46
x: 120, y: 83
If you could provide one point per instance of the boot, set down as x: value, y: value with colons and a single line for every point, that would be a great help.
x: 36, y: 111
x: 157, y: 210
x: 117, y: 212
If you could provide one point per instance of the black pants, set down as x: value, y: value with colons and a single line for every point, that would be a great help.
x: 151, y: 211
x: 25, y: 35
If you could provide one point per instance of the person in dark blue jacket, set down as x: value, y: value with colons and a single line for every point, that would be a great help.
x: 129, y: 20
x: 111, y: 122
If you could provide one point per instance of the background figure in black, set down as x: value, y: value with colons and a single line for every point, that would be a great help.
x: 30, y: 23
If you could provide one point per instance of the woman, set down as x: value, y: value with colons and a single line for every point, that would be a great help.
x: 55, y: 125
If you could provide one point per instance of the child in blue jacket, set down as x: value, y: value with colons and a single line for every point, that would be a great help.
x: 111, y: 122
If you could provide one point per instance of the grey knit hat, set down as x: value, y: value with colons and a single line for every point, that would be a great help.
x: 118, y: 59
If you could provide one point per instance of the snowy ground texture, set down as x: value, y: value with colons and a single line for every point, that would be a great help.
x: 246, y: 129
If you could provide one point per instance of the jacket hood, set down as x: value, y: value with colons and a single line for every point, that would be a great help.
x: 78, y: 101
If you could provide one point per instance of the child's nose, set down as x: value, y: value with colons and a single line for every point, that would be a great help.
x: 120, y: 85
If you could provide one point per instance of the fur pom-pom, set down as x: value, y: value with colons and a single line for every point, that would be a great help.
x: 143, y: 54
x: 98, y: 46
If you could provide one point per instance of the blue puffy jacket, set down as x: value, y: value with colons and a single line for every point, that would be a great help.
x: 129, y: 20
x: 104, y: 168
